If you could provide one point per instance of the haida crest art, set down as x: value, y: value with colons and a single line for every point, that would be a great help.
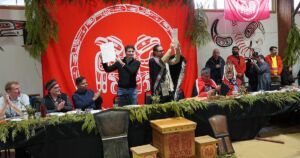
x: 143, y: 47
x: 108, y: 82
x: 248, y: 36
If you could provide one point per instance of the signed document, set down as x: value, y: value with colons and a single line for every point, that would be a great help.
x: 108, y: 52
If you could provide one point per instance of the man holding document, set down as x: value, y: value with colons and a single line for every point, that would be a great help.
x: 161, y: 83
x: 127, y: 69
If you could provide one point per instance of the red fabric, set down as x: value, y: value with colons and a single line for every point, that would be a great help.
x: 239, y: 67
x: 246, y: 10
x: 231, y: 87
x: 124, y: 24
x: 279, y: 64
x: 201, y: 86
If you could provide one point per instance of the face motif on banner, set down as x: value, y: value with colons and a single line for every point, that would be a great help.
x: 112, y: 24
x: 247, y: 9
x: 249, y: 36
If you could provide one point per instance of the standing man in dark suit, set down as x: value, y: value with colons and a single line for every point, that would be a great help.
x: 216, y: 65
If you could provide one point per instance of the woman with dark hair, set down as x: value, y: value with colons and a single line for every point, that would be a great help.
x: 56, y: 101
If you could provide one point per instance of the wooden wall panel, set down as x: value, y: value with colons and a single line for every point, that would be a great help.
x: 284, y: 18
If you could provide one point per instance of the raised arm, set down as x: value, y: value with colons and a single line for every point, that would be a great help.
x: 110, y: 68
x: 177, y: 56
x: 167, y: 55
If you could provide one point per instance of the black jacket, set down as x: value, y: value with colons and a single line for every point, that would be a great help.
x: 49, y: 103
x: 216, y: 73
x: 251, y: 74
x: 127, y: 73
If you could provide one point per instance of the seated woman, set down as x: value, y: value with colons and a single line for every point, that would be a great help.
x: 204, y: 85
x: 56, y: 101
x: 230, y: 84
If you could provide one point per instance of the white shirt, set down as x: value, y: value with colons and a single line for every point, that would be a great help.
x: 20, y: 102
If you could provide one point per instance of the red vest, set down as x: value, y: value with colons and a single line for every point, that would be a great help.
x: 238, y: 81
x: 201, y: 86
x: 279, y: 64
x: 239, y: 67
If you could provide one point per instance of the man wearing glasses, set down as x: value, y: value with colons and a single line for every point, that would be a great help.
x: 85, y: 98
x: 160, y: 77
x: 127, y: 68
x: 13, y: 103
x: 56, y: 101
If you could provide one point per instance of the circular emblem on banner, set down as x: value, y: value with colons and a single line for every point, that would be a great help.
x: 121, y: 24
x: 247, y: 9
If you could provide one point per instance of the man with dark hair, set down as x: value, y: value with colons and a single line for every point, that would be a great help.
x: 216, y: 64
x: 238, y: 62
x: 85, y: 98
x: 161, y: 83
x: 275, y: 63
x: 128, y: 69
x: 14, y: 102
x: 56, y: 101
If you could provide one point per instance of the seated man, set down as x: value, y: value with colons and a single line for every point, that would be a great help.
x: 85, y: 98
x: 231, y: 84
x: 56, y: 101
x: 14, y: 102
x: 204, y: 85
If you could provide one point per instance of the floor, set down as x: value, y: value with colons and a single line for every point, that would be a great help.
x: 288, y: 134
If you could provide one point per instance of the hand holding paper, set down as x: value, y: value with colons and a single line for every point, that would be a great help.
x: 108, y: 52
x: 175, y: 37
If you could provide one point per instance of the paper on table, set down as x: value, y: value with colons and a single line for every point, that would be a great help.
x: 175, y: 37
x: 108, y: 52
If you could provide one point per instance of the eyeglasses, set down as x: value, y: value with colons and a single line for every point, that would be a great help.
x: 160, y: 51
x: 84, y: 83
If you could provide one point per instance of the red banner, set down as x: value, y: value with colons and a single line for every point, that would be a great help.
x: 83, y: 27
x: 246, y: 10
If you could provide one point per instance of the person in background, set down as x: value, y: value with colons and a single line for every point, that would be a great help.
x: 275, y: 64
x: 287, y: 78
x: 56, y: 101
x: 231, y: 84
x: 14, y: 102
x: 251, y: 73
x: 216, y: 65
x: 263, y: 71
x: 161, y: 83
x: 85, y: 98
x: 128, y: 69
x: 204, y: 86
x: 238, y: 62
